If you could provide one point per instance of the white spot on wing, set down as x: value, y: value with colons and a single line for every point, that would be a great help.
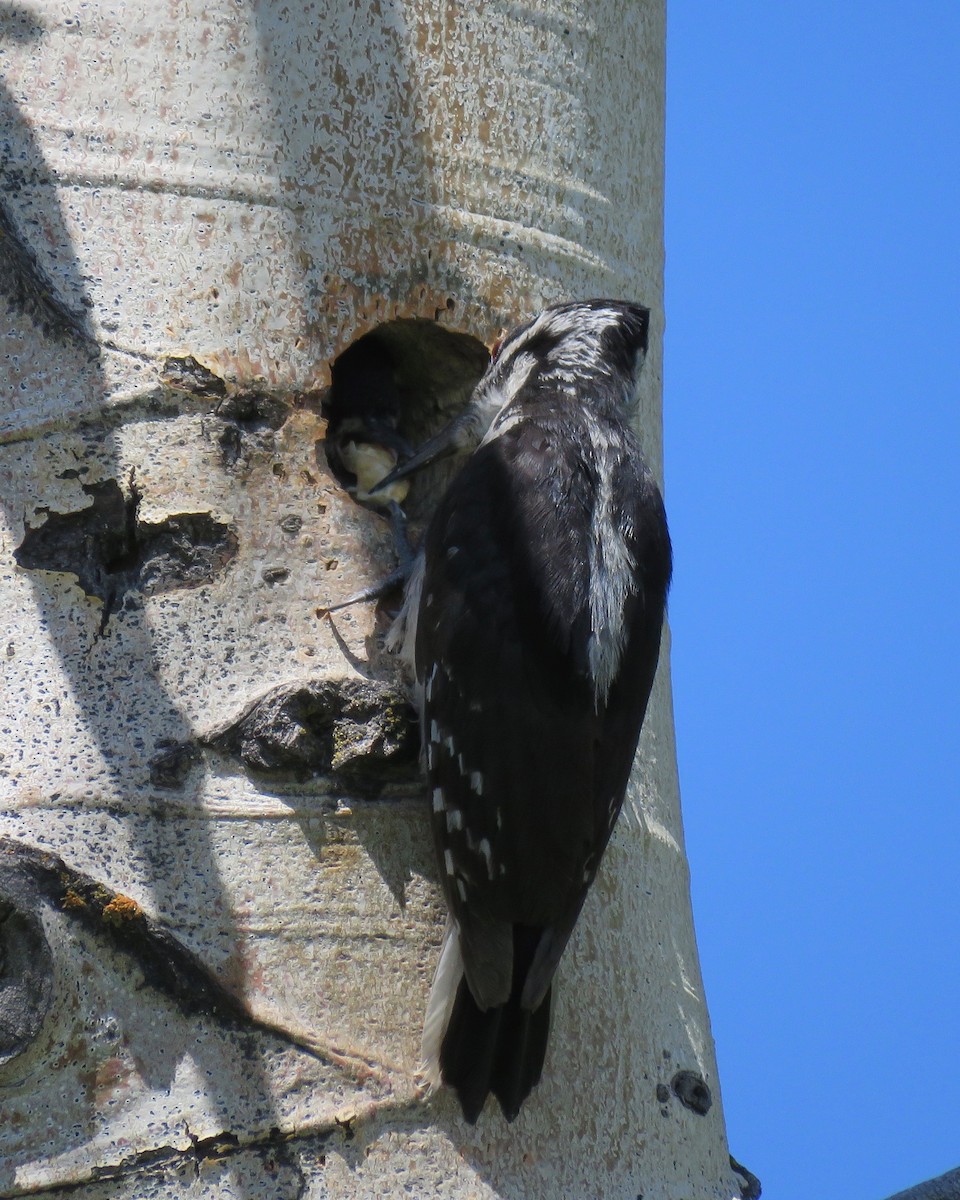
x: 461, y: 889
x: 487, y: 852
x: 434, y: 732
x: 448, y: 861
x: 476, y: 782
x: 438, y: 800
x: 454, y: 820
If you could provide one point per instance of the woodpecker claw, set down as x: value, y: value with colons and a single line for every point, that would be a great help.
x: 375, y: 591
x: 383, y: 587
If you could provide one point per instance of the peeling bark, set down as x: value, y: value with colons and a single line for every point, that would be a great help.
x: 112, y: 552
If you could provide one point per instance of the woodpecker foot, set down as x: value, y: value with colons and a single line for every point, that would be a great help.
x: 401, y: 538
x: 397, y: 578
x: 376, y: 591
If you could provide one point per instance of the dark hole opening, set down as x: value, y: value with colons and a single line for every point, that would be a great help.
x: 391, y: 389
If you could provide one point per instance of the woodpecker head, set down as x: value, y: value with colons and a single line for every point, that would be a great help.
x: 587, y: 348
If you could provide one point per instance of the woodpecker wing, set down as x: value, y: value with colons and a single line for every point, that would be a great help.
x: 623, y: 711
x: 526, y: 766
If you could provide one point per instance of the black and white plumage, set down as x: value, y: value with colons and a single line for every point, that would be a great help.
x: 534, y: 616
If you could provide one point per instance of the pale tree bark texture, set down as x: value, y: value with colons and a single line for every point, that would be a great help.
x: 218, y: 910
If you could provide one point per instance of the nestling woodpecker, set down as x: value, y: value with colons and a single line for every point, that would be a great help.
x: 533, y: 615
x: 362, y: 407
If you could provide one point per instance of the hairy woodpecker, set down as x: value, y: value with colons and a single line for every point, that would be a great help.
x: 533, y: 616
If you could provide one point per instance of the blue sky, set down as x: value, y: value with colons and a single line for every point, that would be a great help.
x: 812, y: 421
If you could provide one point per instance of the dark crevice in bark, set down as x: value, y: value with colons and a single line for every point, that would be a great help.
x: 112, y: 552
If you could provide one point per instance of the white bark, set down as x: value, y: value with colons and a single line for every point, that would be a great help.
x: 256, y: 185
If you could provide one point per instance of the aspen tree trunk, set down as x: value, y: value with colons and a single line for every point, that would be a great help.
x: 218, y: 910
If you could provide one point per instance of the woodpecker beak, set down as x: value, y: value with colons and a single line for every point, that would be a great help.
x: 443, y: 445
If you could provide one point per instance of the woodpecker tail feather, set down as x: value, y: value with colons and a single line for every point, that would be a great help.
x: 474, y: 1052
x: 521, y: 1050
x: 439, y: 1006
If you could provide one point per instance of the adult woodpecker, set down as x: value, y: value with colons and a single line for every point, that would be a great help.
x: 534, y: 615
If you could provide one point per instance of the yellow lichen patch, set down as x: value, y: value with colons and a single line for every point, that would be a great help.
x: 122, y: 908
x: 72, y: 899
